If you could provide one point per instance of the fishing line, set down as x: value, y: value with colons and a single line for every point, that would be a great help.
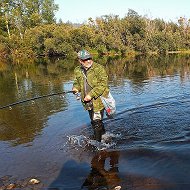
x: 34, y: 98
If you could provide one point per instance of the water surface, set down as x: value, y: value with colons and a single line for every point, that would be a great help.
x: 146, y: 145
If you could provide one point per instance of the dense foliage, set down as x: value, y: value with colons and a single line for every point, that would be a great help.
x: 29, y: 29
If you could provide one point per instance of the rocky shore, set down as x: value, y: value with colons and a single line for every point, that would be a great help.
x: 9, y: 182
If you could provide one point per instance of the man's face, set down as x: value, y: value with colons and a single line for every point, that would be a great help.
x: 86, y: 63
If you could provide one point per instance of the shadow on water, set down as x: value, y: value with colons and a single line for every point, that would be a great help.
x: 99, y: 175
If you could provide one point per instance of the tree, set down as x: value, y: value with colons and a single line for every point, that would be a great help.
x: 24, y: 14
x: 47, y: 10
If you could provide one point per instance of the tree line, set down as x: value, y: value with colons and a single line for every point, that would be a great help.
x: 28, y: 29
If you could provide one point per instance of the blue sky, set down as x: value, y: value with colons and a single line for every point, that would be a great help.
x: 78, y: 11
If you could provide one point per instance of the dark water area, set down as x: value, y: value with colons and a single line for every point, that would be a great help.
x: 147, y: 143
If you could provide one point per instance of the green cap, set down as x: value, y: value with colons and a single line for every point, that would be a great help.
x: 83, y: 55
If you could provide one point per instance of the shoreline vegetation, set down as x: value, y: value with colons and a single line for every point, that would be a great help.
x: 26, y: 34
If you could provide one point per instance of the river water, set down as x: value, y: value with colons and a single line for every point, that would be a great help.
x: 146, y: 145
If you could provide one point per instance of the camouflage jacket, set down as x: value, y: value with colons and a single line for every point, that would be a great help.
x: 98, y: 81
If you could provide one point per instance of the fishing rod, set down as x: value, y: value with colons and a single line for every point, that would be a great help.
x: 34, y: 98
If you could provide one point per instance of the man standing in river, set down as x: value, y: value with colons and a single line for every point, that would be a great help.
x: 91, y: 81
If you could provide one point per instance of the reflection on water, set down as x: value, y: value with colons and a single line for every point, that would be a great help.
x: 100, y: 176
x: 20, y: 124
x: 151, y: 148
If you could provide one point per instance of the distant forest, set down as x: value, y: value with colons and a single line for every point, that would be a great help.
x: 28, y: 29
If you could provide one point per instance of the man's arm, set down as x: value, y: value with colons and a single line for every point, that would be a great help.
x: 76, y: 84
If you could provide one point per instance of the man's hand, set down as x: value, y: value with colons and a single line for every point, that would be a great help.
x: 75, y: 90
x: 87, y: 98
